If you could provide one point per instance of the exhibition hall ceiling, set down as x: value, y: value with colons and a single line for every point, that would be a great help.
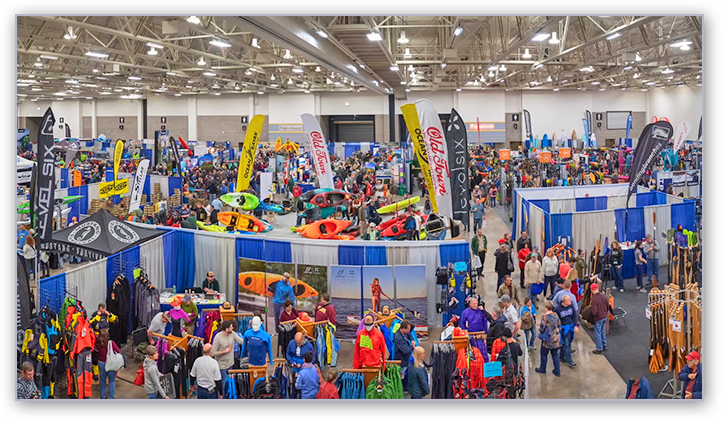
x: 139, y: 56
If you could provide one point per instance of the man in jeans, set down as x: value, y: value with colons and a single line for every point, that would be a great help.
x: 478, y: 214
x: 651, y: 249
x: 599, y: 311
x: 223, y: 345
x: 207, y: 375
x: 568, y: 327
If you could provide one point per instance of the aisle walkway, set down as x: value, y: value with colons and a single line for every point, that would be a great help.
x: 593, y: 378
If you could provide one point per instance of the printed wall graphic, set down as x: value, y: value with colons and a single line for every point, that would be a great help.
x: 317, y: 278
x: 346, y: 294
x: 274, y: 273
x: 251, y: 285
x: 385, y: 295
x: 411, y: 295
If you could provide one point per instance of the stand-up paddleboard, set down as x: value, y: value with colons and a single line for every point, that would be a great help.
x: 263, y: 284
x: 330, y: 198
x: 245, y: 201
x: 307, y: 196
x: 243, y: 222
x: 60, y: 201
x: 401, y: 205
x: 574, y: 135
x: 324, y: 229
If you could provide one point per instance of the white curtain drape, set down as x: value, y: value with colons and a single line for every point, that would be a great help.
x: 587, y: 228
x: 674, y: 199
x: 429, y: 257
x: 400, y: 255
x: 216, y: 253
x: 662, y: 224
x: 562, y: 205
x: 152, y: 253
x: 535, y: 226
x: 314, y: 254
x: 163, y: 181
x: 518, y: 215
x: 91, y: 281
x: 618, y: 202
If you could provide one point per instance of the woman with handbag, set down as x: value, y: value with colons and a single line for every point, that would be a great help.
x: 550, y: 337
x: 107, y: 353
x: 503, y: 263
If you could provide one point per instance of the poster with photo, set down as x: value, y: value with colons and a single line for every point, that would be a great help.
x: 274, y: 273
x: 346, y: 294
x: 251, y: 286
x: 315, y: 277
x: 411, y: 294
x: 385, y: 276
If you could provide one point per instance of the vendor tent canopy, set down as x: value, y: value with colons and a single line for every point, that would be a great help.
x: 23, y: 163
x: 98, y: 236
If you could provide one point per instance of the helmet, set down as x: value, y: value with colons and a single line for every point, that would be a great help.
x: 304, y: 316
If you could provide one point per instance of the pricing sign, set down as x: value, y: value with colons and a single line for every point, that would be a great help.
x: 677, y: 325
x: 648, y: 314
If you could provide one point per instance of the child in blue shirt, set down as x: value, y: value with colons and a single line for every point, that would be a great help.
x: 530, y: 332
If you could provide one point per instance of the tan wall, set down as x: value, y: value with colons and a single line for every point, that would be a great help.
x: 87, y: 128
x: 226, y: 129
x: 602, y: 133
x: 109, y: 127
x: 176, y: 125
x: 512, y: 134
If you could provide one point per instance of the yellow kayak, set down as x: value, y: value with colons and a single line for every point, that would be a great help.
x: 401, y: 205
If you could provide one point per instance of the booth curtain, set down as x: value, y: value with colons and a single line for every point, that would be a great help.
x: 151, y: 254
x: 169, y: 253
x: 534, y: 226
x: 429, y: 256
x: 588, y: 227
x: 185, y: 259
x: 375, y: 256
x: 561, y: 229
x: 562, y: 206
x: 250, y: 248
x: 543, y: 204
x: 216, y: 253
x: 585, y: 204
x: 635, y: 226
x: 618, y: 202
x: 645, y: 199
x: 91, y: 282
x: 452, y: 253
x: 175, y: 183
x: 277, y: 251
x: 321, y: 253
x: 350, y: 255
x: 683, y: 214
x: 662, y: 217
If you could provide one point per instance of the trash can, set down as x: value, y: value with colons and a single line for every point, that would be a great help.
x: 402, y: 190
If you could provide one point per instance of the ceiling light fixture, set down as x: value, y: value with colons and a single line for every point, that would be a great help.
x: 459, y: 89
x: 443, y: 65
x: 177, y: 94
x: 96, y: 54
x: 154, y: 45
x: 72, y: 81
x: 402, y: 82
x: 260, y: 93
x: 685, y: 47
x: 408, y: 90
x: 318, y: 69
x: 48, y: 57
x: 549, y: 78
x: 394, y: 68
x: 322, y: 34
x: 601, y: 89
x: 503, y: 68
x: 403, y: 38
x: 595, y: 83
x: 201, y: 62
x: 636, y: 75
x: 554, y: 39
x: 556, y: 89
x: 407, y: 53
x: 374, y: 36
x: 628, y: 68
x: 152, y: 52
x: 680, y: 44
x: 255, y: 42
x: 193, y: 19
x: 644, y: 90
x: 307, y: 91
x: 541, y: 37
x: 134, y: 78
x: 247, y: 72
x: 458, y: 30
x: 667, y: 71
x: 38, y: 64
x: 171, y: 73
x: 613, y: 36
x: 287, y: 55
x: 23, y: 84
x: 650, y: 83
x: 209, y: 74
x: 637, y: 57
x: 219, y: 43
x: 297, y: 70
x: 527, y: 54
x: 274, y: 85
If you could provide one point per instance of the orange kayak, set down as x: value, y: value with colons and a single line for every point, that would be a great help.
x: 324, y: 229
x: 243, y: 222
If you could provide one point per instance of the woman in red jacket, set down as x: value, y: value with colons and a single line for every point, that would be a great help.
x: 327, y: 390
x: 522, y: 258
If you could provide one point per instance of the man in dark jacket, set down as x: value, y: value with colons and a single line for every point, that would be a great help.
x: 599, y: 311
x: 403, y: 347
x: 692, y: 377
x: 496, y: 327
x: 639, y: 388
x: 524, y: 239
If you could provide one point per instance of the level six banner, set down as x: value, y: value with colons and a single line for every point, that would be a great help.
x: 458, y: 164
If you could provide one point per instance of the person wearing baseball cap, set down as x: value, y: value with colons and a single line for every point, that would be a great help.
x: 692, y: 377
x: 512, y: 320
x: 599, y: 311
x: 210, y: 284
x: 191, y: 309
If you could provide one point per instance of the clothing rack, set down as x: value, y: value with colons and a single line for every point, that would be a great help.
x: 256, y: 371
x: 459, y: 342
x: 176, y: 342
x: 305, y: 327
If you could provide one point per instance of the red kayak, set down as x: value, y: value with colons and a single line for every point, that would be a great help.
x: 397, y: 228
x: 330, y: 198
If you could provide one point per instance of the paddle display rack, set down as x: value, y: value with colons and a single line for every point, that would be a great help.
x: 676, y: 321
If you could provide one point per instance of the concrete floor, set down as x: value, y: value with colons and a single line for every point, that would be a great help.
x: 593, y: 378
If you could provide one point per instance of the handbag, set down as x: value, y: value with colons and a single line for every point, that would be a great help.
x: 476, y: 262
x: 113, y: 360
x: 140, y: 377
x: 510, y: 263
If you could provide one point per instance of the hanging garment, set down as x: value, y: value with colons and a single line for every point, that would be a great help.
x: 472, y: 365
x: 84, y: 374
x: 267, y: 390
x: 286, y: 335
x: 229, y: 387
x: 443, y: 361
x: 118, y: 303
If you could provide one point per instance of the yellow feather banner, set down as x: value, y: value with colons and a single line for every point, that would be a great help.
x: 248, y: 153
x: 117, y: 158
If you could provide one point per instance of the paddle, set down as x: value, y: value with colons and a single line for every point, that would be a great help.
x: 414, y: 313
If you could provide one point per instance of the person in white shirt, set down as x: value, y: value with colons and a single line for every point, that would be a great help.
x: 549, y: 270
x: 207, y: 375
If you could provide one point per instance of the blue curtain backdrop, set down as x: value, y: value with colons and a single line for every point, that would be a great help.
x: 75, y: 206
x: 376, y: 255
x: 173, y: 184
x: 64, y: 176
x: 147, y: 188
x: 543, y: 204
x: 636, y: 224
x: 185, y: 259
x: 452, y: 253
x: 169, y: 253
x: 277, y: 251
x: 561, y: 228
x: 351, y: 255
x: 661, y: 198
x: 514, y: 213
x: 525, y: 214
x: 585, y: 204
x: 250, y: 248
x: 683, y: 214
x: 646, y: 199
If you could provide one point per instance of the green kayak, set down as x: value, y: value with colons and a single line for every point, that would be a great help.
x: 245, y: 201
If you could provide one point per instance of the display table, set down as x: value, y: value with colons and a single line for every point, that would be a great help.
x: 201, y: 302
x: 629, y: 270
